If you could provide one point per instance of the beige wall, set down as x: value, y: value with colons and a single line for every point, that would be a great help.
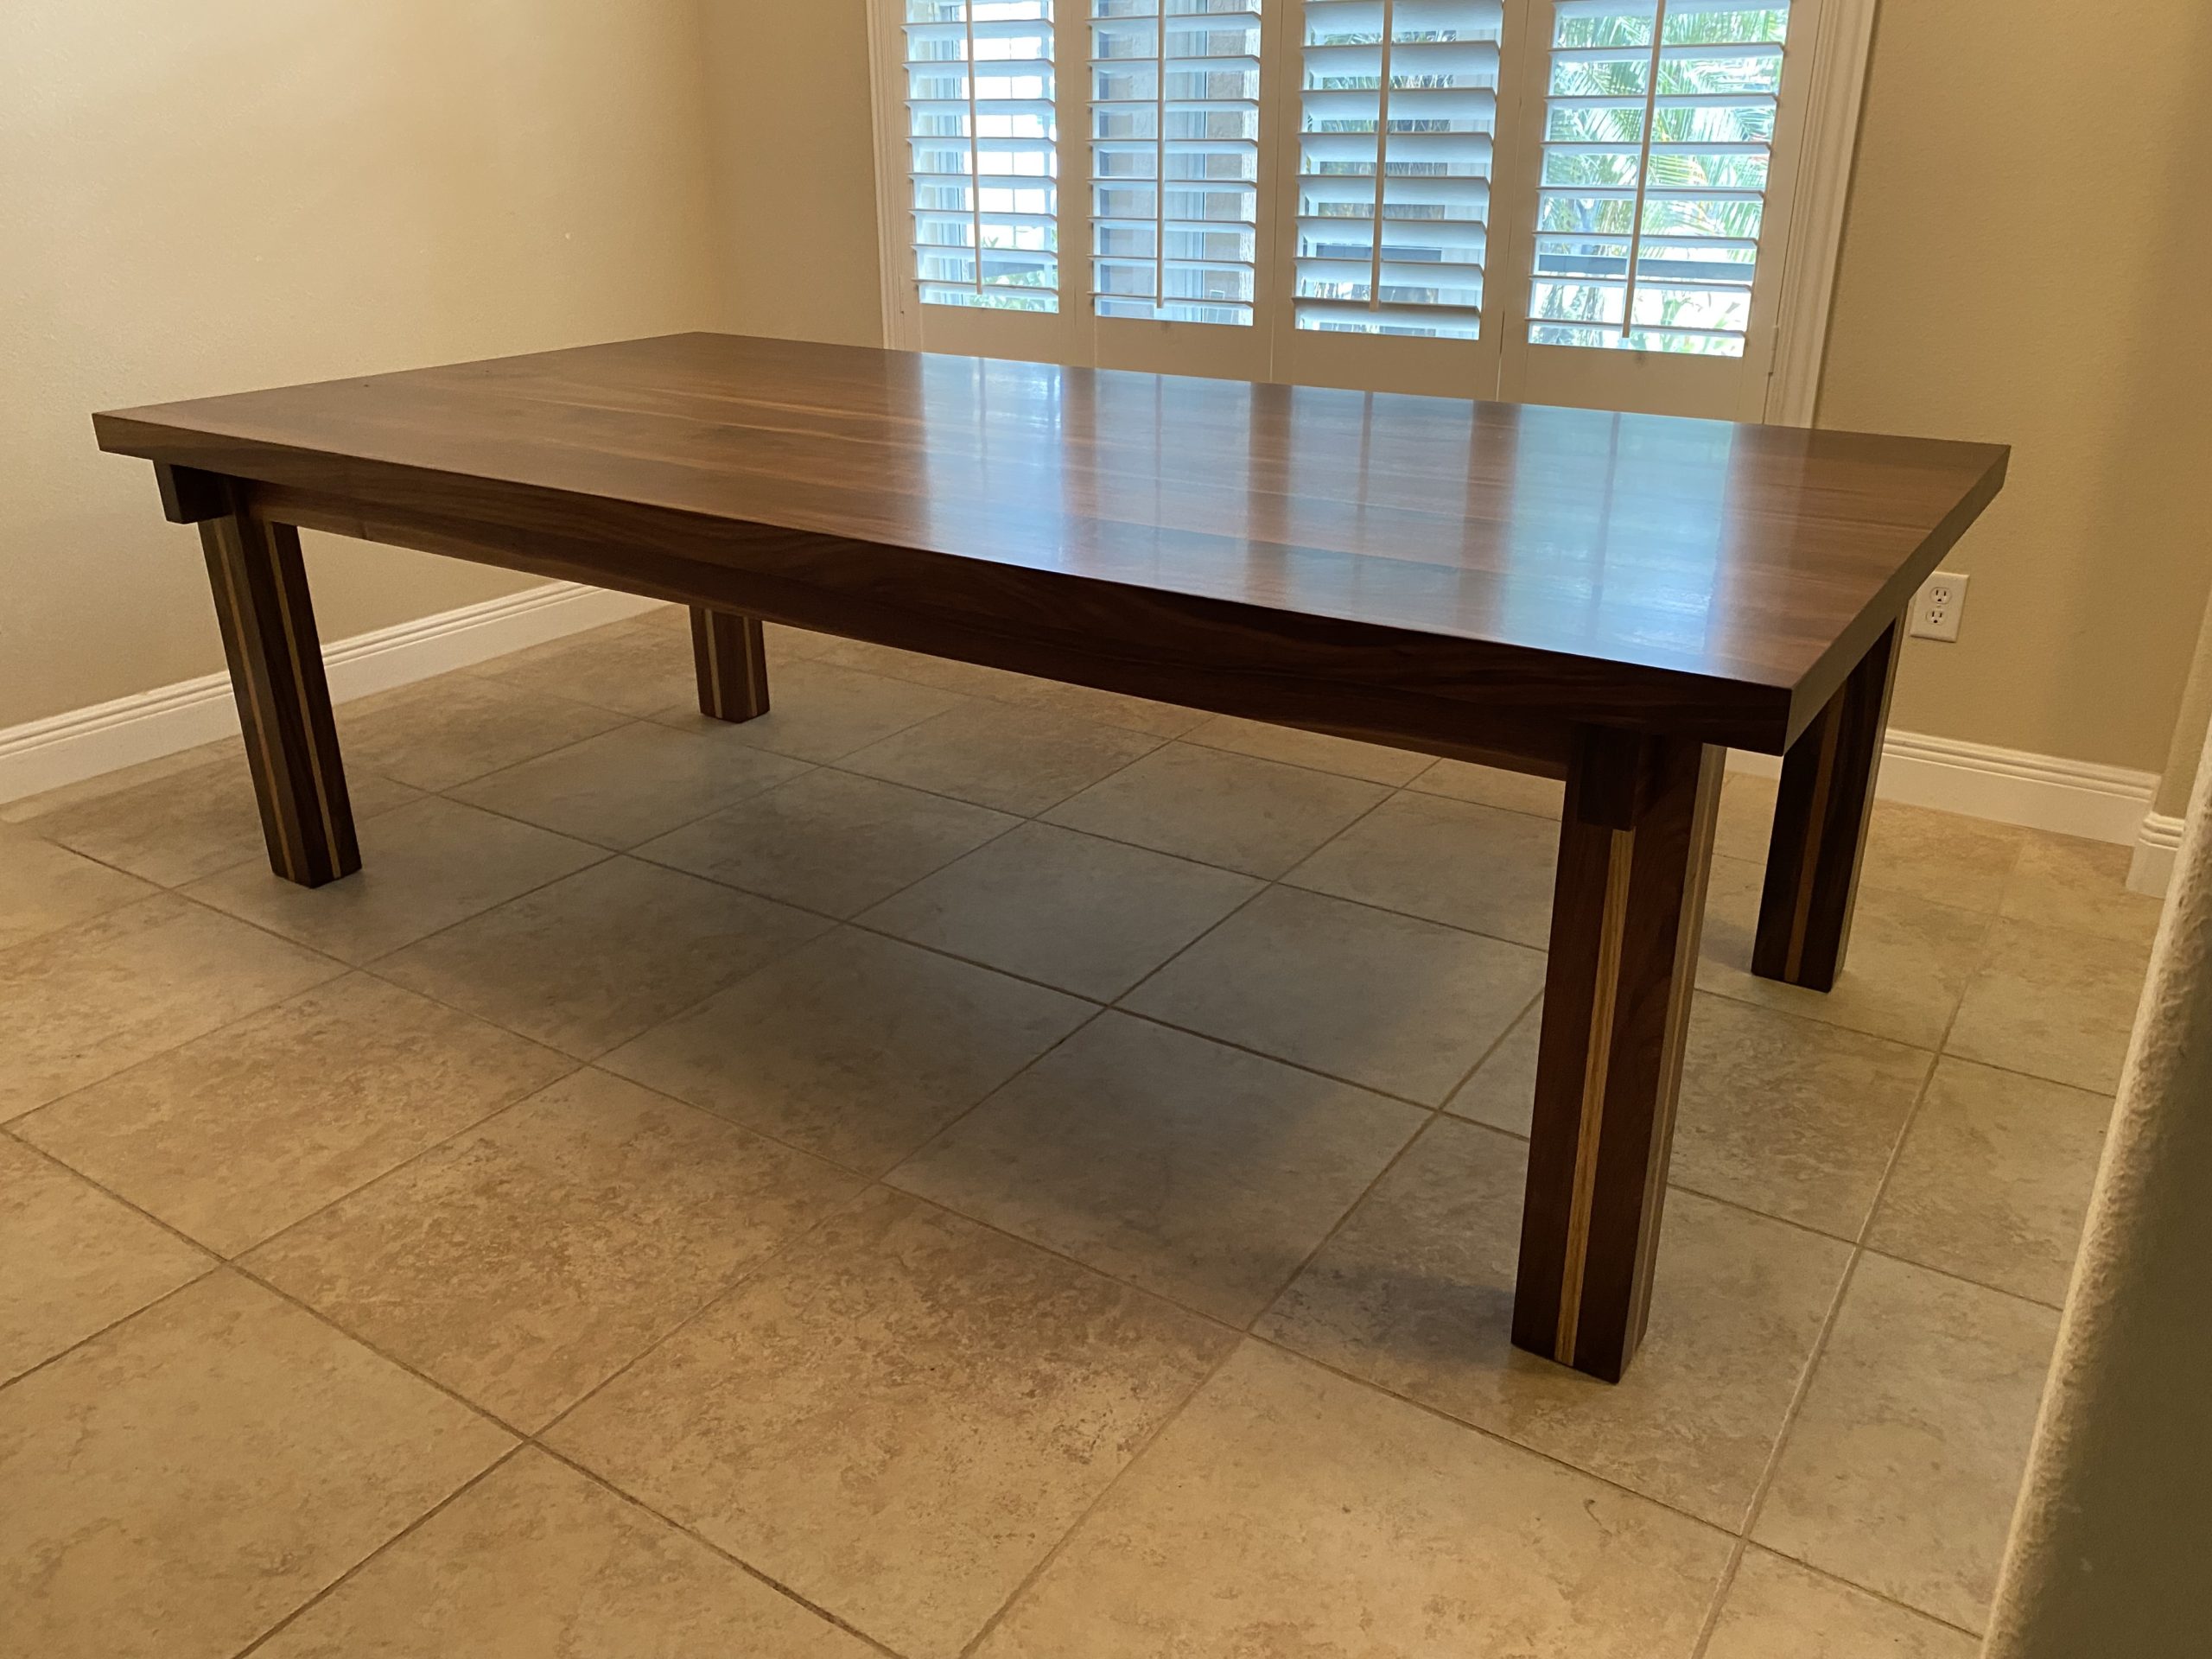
x: 2026, y: 258
x: 201, y: 197
x: 794, y: 168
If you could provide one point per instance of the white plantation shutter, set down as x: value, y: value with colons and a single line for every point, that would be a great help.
x: 1175, y: 158
x: 1555, y: 201
x: 1659, y: 124
x: 1398, y: 117
x: 982, y: 137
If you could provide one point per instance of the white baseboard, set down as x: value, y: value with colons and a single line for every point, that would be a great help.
x: 43, y: 754
x: 2040, y: 792
x: 2156, y: 844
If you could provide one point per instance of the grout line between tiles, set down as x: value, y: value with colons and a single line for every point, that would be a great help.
x: 977, y: 1105
x: 1060, y: 1544
x: 526, y: 1438
x: 1717, y: 1603
x: 1267, y: 884
x: 1496, y: 1437
x: 1859, y: 1253
x: 332, y: 1588
x: 744, y: 1275
x: 1820, y: 1571
x: 215, y: 1264
x: 738, y: 1561
x: 1419, y: 1133
x: 1742, y: 1538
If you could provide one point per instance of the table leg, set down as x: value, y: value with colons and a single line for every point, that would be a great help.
x: 1636, y: 840
x: 733, y: 663
x: 1820, y: 828
x: 276, y: 660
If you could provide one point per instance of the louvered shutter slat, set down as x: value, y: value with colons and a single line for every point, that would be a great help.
x: 1659, y: 123
x: 982, y: 135
x: 1398, y: 118
x: 1175, y: 158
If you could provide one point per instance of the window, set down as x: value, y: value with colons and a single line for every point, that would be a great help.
x: 983, y: 136
x: 1175, y: 158
x: 1398, y: 110
x: 1553, y: 200
x: 1659, y: 119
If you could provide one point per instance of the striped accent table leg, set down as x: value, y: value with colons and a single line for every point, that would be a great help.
x: 1635, y: 841
x: 1820, y: 813
x: 732, y: 659
x: 291, y: 743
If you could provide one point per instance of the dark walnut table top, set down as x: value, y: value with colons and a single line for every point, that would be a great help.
x: 1733, y: 572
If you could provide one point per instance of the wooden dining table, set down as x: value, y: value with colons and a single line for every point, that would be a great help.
x: 1614, y: 599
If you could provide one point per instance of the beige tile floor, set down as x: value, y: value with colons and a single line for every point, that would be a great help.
x: 961, y: 1165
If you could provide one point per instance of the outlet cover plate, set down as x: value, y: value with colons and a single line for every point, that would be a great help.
x: 1937, y: 606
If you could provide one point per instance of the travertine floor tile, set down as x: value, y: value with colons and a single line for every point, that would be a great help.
x: 1107, y: 708
x: 1788, y: 1117
x: 1416, y: 1292
x: 667, y: 617
x: 182, y: 825
x: 76, y: 1260
x: 81, y: 1004
x: 629, y: 784
x: 1743, y: 824
x: 1994, y: 1182
x: 31, y: 808
x: 969, y: 679
x: 1288, y: 1511
x: 897, y: 1417
x: 441, y: 732
x: 1259, y: 817
x: 239, y: 1134
x: 899, y: 1402
x: 1778, y: 1114
x: 1502, y: 1092
x: 1319, y: 750
x: 818, y: 711
x: 2053, y: 1003
x: 1516, y: 792
x: 2062, y: 881
x: 784, y: 642
x: 1199, y: 1172
x: 830, y: 841
x: 1474, y: 866
x: 44, y: 886
x: 600, y: 955
x: 1900, y: 1469
x: 1012, y: 759
x: 1906, y: 968
x: 536, y: 1561
x: 1387, y: 1000
x: 633, y: 667
x: 856, y: 1047
x: 1941, y: 857
x: 527, y: 1262
x: 423, y: 866
x: 185, y: 1480
x: 1776, y: 1608
x: 1088, y: 915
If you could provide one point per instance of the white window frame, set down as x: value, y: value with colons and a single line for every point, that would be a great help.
x: 1826, y: 110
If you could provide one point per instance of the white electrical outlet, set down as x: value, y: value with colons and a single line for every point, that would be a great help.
x: 1935, y: 608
